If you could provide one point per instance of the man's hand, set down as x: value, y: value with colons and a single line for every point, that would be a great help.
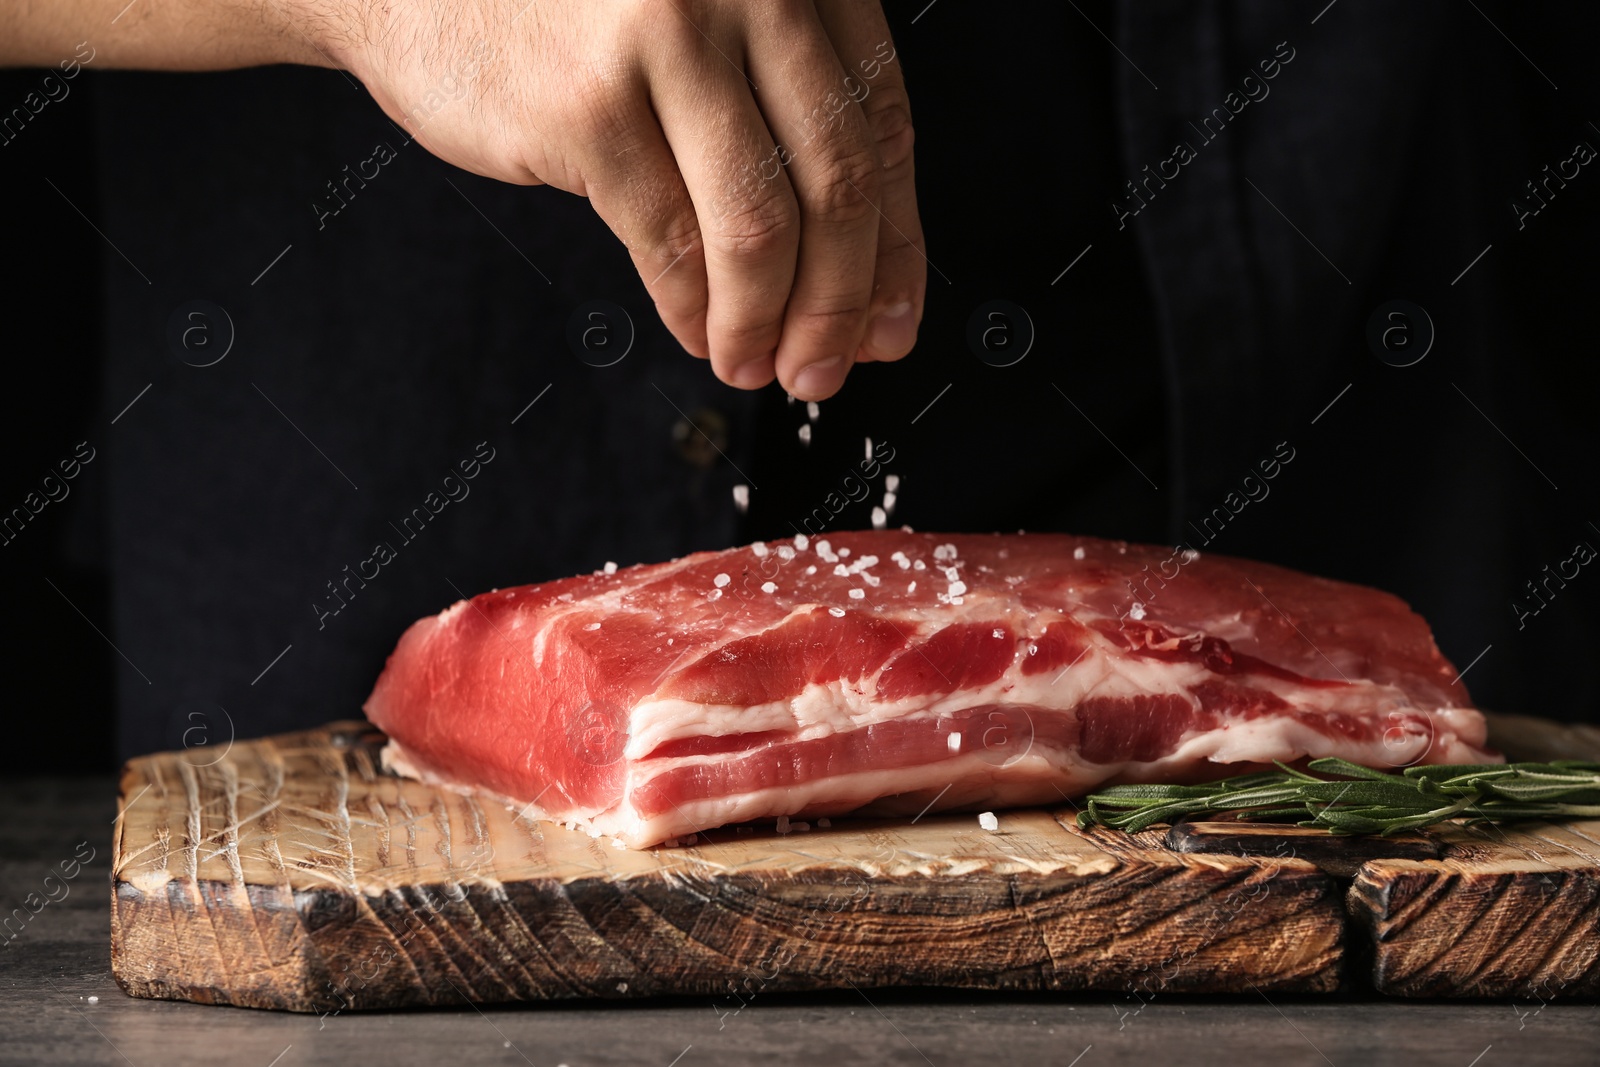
x: 755, y: 157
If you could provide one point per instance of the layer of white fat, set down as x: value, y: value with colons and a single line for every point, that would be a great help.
x: 1042, y: 776
x: 824, y: 708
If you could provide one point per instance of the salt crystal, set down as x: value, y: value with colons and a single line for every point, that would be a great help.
x: 891, y: 482
x: 864, y: 562
x: 858, y: 594
x: 957, y: 589
x: 592, y: 626
x: 998, y: 633
x: 791, y: 397
x: 94, y: 1000
x: 837, y: 613
x: 721, y: 580
x: 869, y: 448
x: 761, y: 550
x: 919, y: 565
x: 1136, y: 612
x: 945, y: 552
x: 1079, y: 553
x: 957, y: 601
x: 912, y: 588
x: 610, y: 568
x: 805, y: 434
x: 872, y: 580
x: 622, y: 987
x: 824, y: 822
x: 617, y: 842
x: 800, y: 827
x: 951, y: 574
x: 953, y: 742
x: 741, y: 498
x: 889, y: 501
x: 899, y: 557
x: 801, y: 542
x: 671, y: 842
x: 783, y: 824
x: 811, y: 569
x: 1190, y: 555
x: 769, y: 587
x: 880, y: 518
x: 1033, y: 649
x: 840, y: 570
x: 785, y: 553
x: 716, y: 594
x: 812, y: 410
x: 844, y: 553
x: 989, y: 822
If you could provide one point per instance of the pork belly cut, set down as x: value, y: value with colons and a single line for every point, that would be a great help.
x: 894, y: 672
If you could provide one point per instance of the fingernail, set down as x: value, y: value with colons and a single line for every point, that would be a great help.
x: 893, y: 329
x: 820, y: 380
x: 752, y: 375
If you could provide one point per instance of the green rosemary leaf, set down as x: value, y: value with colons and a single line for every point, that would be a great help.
x: 1352, y: 799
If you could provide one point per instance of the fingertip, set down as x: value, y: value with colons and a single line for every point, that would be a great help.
x: 820, y: 380
x: 892, y: 332
x: 751, y: 374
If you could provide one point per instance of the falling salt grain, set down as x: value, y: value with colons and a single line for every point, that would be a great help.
x: 592, y: 626
x: 824, y: 822
x: 880, y: 518
x: 889, y: 499
x: 989, y: 822
x: 858, y: 594
x: 741, y: 498
x: 761, y: 550
x: 812, y: 410
x: 1079, y: 553
x: 721, y: 580
x: 953, y: 742
x: 891, y: 482
x: 805, y: 434
x: 783, y: 824
x: 769, y: 587
x: 837, y: 613
x: 869, y: 447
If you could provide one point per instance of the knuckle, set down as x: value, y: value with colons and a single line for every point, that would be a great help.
x: 846, y: 188
x: 758, y: 226
x: 892, y: 130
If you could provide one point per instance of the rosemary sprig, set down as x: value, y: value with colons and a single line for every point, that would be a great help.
x: 1359, y: 800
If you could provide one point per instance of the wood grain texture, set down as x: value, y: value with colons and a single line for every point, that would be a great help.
x: 1505, y: 911
x: 293, y: 873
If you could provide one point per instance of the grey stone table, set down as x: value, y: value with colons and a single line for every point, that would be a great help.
x: 59, y: 1005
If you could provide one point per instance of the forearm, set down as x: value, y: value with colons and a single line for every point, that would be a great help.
x: 168, y: 34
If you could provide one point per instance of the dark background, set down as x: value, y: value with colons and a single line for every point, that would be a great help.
x: 1019, y: 150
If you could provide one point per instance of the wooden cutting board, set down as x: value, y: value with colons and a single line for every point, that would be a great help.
x: 293, y: 873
